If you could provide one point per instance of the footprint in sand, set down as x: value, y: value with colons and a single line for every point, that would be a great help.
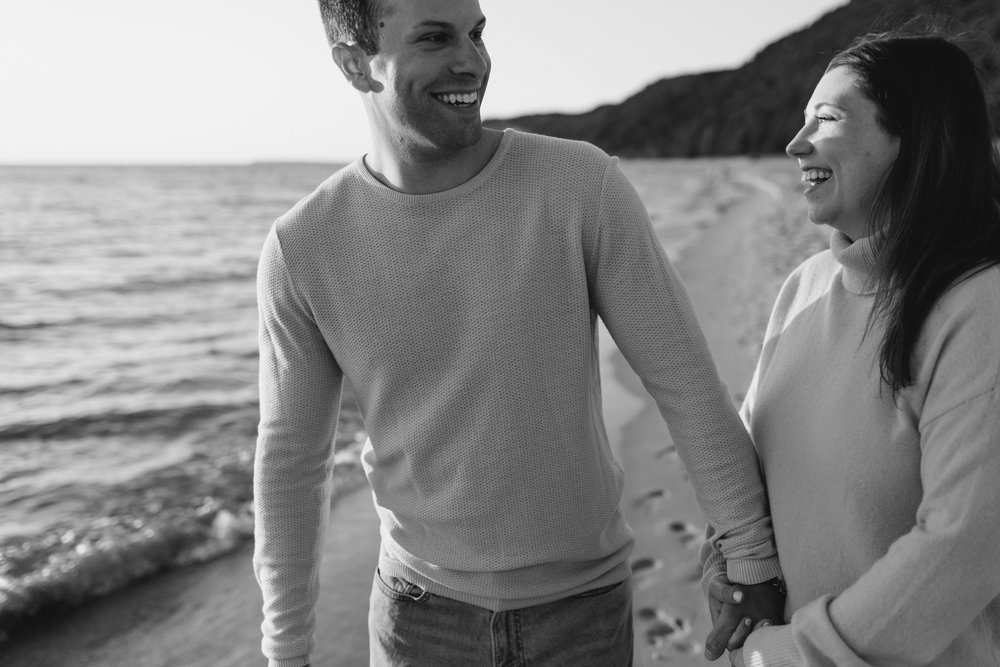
x: 687, y: 533
x: 651, y: 501
x: 645, y: 565
x: 665, y: 630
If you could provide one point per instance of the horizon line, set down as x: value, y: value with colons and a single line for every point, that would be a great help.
x: 179, y: 163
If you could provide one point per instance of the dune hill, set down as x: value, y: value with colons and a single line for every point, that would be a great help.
x: 757, y: 108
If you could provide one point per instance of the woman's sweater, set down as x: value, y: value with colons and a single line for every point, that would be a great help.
x: 886, y: 512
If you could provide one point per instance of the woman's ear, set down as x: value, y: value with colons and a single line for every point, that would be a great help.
x: 353, y: 63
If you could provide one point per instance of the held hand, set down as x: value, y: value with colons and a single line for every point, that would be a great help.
x: 736, y: 655
x: 737, y: 609
x: 723, y: 607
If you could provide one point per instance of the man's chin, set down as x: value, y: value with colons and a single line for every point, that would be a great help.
x: 462, y: 139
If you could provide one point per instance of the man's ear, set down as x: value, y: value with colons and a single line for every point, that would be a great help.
x: 353, y: 62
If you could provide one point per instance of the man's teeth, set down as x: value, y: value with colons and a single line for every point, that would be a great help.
x: 816, y: 175
x: 458, y: 98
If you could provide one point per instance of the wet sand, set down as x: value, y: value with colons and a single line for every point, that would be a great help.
x: 210, y: 614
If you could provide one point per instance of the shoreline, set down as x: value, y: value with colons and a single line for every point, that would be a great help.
x: 209, y: 614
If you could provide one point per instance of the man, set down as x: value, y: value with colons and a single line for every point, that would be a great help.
x: 454, y: 275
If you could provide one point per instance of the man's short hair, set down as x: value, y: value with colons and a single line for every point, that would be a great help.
x: 352, y: 22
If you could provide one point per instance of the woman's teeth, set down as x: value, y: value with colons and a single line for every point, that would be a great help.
x: 816, y: 176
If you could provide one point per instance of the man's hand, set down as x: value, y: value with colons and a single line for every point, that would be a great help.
x: 737, y: 609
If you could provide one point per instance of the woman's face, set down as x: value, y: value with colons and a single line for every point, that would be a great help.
x: 843, y: 152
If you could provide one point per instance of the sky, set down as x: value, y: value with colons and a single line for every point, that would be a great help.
x: 237, y: 81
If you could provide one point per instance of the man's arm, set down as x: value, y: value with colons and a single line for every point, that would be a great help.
x: 647, y: 310
x: 300, y: 384
x: 735, y: 609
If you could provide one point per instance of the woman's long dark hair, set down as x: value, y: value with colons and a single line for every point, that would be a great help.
x: 937, y: 215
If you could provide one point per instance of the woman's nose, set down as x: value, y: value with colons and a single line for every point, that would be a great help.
x: 799, y: 145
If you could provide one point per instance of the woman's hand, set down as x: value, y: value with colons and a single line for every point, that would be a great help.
x: 736, y: 655
x: 737, y: 610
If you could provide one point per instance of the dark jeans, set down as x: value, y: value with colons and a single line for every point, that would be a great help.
x: 409, y: 626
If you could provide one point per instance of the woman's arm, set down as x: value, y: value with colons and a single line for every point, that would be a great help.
x: 936, y: 579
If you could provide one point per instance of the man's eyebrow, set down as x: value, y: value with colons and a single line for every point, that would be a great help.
x: 431, y: 23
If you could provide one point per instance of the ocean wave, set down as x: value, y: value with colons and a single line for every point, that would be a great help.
x: 22, y: 326
x: 164, y: 421
x: 149, y: 532
x: 244, y: 274
x: 11, y: 330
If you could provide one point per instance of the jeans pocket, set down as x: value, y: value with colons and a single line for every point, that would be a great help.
x: 594, y: 592
x: 398, y: 589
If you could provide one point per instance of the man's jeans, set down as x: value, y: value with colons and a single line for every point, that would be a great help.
x: 409, y: 626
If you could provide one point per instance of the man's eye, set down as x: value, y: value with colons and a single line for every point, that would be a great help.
x: 435, y: 38
x: 824, y: 119
x: 477, y: 35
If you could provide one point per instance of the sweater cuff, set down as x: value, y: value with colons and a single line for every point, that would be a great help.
x: 300, y: 661
x: 753, y: 570
x: 771, y: 647
x: 712, y: 564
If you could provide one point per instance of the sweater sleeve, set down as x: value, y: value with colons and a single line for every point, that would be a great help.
x: 300, y: 384
x: 641, y: 300
x: 937, y: 578
x: 712, y: 562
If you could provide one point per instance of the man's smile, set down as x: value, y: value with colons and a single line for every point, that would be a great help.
x: 458, y: 99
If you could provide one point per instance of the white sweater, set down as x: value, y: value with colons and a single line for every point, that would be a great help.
x: 886, y: 514
x: 466, y: 323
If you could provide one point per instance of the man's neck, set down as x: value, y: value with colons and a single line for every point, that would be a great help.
x: 426, y: 174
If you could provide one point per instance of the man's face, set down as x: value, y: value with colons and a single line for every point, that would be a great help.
x: 430, y: 75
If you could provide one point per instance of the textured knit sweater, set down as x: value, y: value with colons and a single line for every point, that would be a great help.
x: 886, y: 513
x: 465, y: 322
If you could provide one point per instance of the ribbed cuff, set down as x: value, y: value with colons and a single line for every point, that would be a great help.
x: 771, y: 647
x: 753, y: 570
x: 300, y: 661
x: 712, y: 565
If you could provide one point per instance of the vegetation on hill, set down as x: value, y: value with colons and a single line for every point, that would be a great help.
x: 757, y: 108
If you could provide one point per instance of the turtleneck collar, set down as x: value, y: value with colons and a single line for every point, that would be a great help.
x: 858, y: 259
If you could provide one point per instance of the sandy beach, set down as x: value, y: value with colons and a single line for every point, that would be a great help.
x: 754, y: 232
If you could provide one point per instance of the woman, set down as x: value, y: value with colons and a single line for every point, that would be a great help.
x: 875, y: 406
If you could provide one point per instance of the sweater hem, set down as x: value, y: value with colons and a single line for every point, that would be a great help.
x: 395, y: 568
